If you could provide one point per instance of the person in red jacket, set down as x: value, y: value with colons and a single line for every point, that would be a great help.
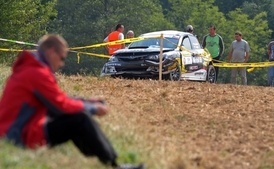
x: 34, y: 111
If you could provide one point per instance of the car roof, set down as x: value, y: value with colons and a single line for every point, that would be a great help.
x: 165, y: 33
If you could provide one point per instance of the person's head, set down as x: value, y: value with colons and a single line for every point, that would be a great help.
x: 238, y: 36
x: 189, y: 28
x: 212, y: 30
x: 55, y: 49
x: 130, y: 34
x: 120, y: 28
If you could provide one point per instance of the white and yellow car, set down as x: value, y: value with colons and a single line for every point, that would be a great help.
x: 183, y: 58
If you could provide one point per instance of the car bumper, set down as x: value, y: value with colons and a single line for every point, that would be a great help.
x: 142, y: 67
x: 199, y: 75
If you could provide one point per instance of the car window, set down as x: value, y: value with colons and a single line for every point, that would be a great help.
x: 194, y: 41
x: 186, y: 43
x: 169, y: 42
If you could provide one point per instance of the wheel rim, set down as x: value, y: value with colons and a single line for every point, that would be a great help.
x: 211, y: 75
x: 176, y: 74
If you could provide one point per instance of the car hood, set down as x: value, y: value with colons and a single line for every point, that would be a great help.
x: 147, y: 50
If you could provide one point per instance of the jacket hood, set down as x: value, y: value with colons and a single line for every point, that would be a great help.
x: 27, y: 59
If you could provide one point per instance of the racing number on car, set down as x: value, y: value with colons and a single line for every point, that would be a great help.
x: 191, y: 60
x: 187, y: 60
x: 197, y: 60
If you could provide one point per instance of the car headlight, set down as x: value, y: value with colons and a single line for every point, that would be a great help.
x: 153, y: 57
x: 113, y: 59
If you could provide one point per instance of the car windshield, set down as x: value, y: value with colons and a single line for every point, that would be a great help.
x: 169, y: 42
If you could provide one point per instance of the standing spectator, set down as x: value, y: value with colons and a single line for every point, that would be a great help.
x: 270, y: 51
x: 239, y: 53
x: 190, y: 29
x: 215, y: 45
x: 34, y: 111
x: 130, y: 34
x: 113, y: 36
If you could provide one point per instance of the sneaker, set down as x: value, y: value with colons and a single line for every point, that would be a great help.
x: 131, y: 166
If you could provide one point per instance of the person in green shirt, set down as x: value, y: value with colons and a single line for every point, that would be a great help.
x: 214, y: 44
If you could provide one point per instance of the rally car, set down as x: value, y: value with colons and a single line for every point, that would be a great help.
x: 183, y: 58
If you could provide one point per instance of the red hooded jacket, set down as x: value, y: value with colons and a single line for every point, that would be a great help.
x: 30, y: 93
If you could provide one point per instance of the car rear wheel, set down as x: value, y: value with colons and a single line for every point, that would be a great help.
x: 174, y: 75
x: 211, y: 74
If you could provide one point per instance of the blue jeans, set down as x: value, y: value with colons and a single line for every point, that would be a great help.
x: 270, y: 75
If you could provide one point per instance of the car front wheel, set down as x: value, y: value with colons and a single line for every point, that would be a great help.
x: 174, y: 75
x: 211, y: 74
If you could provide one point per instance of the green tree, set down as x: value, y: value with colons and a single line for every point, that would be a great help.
x: 181, y: 10
x: 24, y: 21
x: 258, y: 6
x: 201, y: 20
x: 86, y: 22
x: 226, y: 6
x: 165, y: 5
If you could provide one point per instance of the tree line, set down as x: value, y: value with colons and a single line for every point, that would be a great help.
x: 86, y: 22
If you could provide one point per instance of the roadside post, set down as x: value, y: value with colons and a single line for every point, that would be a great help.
x: 161, y: 56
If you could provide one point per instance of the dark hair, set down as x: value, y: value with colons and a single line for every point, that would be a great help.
x: 212, y: 26
x: 238, y: 33
x: 118, y: 26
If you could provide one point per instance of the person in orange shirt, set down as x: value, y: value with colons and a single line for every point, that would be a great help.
x: 114, y: 36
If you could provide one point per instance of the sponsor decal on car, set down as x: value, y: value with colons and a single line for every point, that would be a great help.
x: 193, y: 67
x: 199, y: 73
x: 113, y: 64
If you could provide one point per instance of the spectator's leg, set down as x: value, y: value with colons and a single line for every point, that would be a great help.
x: 217, y: 72
x: 270, y: 75
x: 216, y: 60
x: 233, y: 78
x: 86, y: 134
x: 243, y: 75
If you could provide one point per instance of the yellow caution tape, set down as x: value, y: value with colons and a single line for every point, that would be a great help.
x: 250, y: 69
x: 221, y: 64
x: 14, y: 50
x: 10, y: 50
x: 258, y: 64
x: 114, y: 42
x: 90, y: 54
x: 185, y: 49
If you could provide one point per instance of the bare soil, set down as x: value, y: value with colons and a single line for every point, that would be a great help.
x: 189, y: 124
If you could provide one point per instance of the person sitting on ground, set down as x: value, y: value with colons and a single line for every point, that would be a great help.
x: 34, y: 111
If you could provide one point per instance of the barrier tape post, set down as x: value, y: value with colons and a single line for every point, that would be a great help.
x: 161, y: 56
